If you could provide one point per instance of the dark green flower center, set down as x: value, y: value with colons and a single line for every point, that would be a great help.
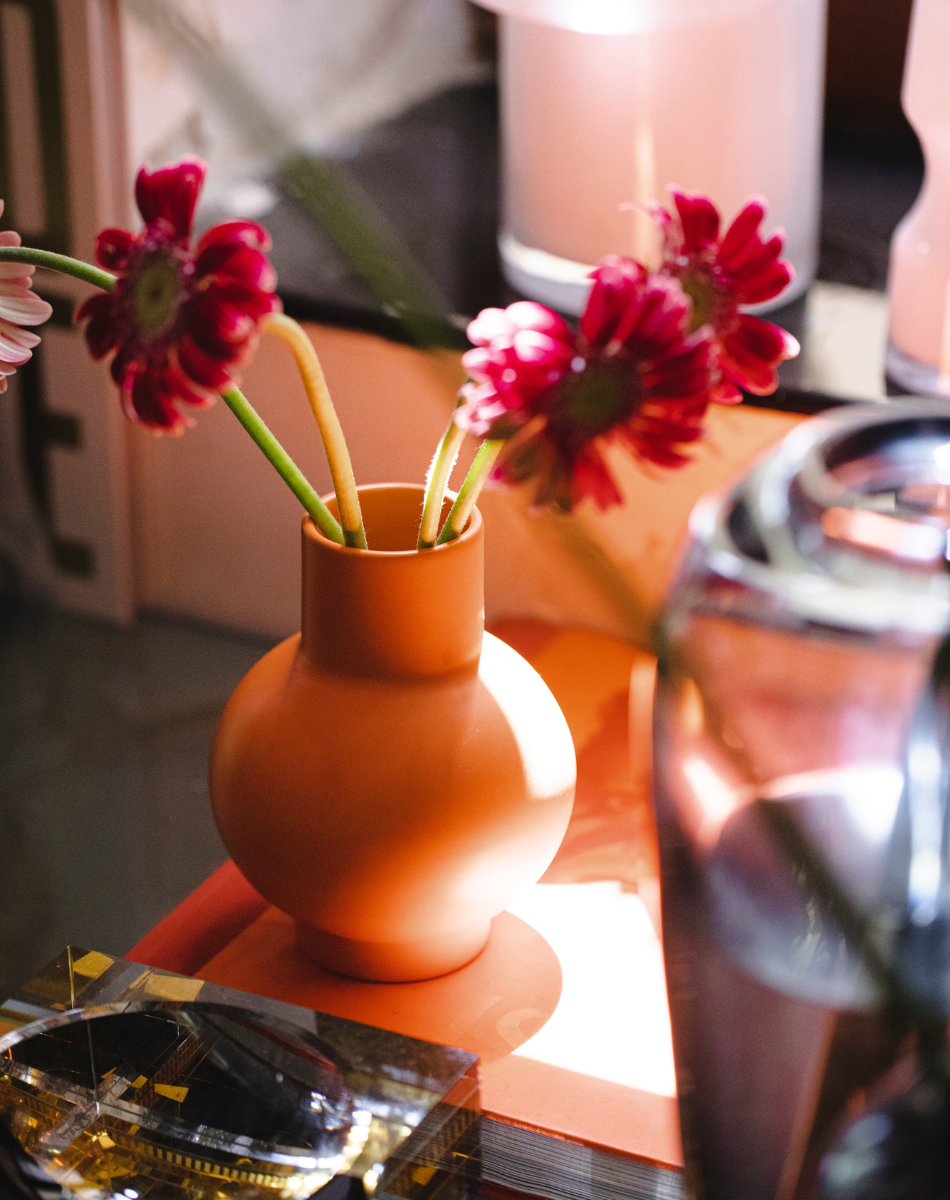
x: 596, y: 398
x: 697, y: 288
x: 156, y: 296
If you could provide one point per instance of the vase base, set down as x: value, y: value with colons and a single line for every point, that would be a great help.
x: 392, y: 962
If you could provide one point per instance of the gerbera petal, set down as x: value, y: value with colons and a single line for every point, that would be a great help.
x: 655, y: 443
x: 756, y: 255
x: 16, y: 281
x: 207, y: 336
x: 170, y: 194
x: 120, y: 365
x: 540, y: 350
x: 616, y: 285
x: 231, y: 322
x: 684, y: 380
x: 251, y: 300
x: 742, y: 228
x: 490, y: 325
x: 751, y: 353
x: 186, y: 389
x: 591, y: 478
x: 526, y: 314
x: 98, y: 304
x: 522, y: 457
x: 22, y: 306
x: 476, y: 362
x: 725, y: 392
x: 234, y: 260
x: 761, y: 338
x: 699, y: 219
x: 662, y: 307
x: 665, y: 324
x: 113, y: 247
x: 101, y: 335
x: 204, y: 370
x: 766, y: 284
x: 16, y: 344
x: 147, y: 399
x: 229, y: 233
x: 484, y: 410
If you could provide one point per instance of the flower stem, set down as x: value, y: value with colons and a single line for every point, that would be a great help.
x: 471, y: 489
x: 61, y: 263
x: 438, y: 478
x: 286, y: 468
x: 341, y: 469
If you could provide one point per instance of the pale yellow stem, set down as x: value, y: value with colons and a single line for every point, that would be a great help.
x: 341, y: 469
x: 436, y: 483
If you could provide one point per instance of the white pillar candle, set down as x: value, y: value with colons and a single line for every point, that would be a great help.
x: 606, y: 102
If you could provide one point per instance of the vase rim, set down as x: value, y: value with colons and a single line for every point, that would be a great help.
x: 470, y: 531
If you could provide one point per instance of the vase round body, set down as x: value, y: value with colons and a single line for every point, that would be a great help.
x: 797, y: 646
x: 919, y: 277
x: 604, y: 105
x: 392, y: 775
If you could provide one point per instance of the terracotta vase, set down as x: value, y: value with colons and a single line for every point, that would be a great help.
x: 390, y: 776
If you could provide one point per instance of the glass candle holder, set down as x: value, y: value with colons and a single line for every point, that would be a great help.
x: 604, y: 105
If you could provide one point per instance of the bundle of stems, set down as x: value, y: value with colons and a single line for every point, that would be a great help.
x: 348, y: 530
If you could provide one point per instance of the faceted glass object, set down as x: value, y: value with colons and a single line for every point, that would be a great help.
x: 120, y: 1080
x: 165, y: 1099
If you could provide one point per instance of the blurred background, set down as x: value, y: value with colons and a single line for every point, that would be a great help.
x: 141, y: 577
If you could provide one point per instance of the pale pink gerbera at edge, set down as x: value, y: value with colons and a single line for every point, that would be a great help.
x: 19, y: 305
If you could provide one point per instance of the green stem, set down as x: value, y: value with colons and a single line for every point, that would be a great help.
x: 337, y: 205
x: 471, y: 489
x: 439, y: 473
x: 286, y: 468
x: 61, y: 263
x: 273, y: 451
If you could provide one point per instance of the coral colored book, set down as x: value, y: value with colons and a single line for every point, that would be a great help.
x: 566, y: 1006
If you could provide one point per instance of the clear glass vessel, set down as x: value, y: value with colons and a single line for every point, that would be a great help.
x: 797, y: 644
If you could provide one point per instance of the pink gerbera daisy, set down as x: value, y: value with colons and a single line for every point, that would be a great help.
x: 180, y: 320
x: 633, y: 374
x: 721, y: 274
x: 19, y: 305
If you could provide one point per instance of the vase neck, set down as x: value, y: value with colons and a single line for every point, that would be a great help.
x: 393, y: 611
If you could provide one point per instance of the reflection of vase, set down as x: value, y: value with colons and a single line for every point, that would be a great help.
x: 392, y: 775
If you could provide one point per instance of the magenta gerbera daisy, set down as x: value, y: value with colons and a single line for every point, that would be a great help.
x: 633, y: 374
x: 721, y: 274
x: 181, y: 321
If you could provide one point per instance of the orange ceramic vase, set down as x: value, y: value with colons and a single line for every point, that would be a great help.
x: 392, y: 775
